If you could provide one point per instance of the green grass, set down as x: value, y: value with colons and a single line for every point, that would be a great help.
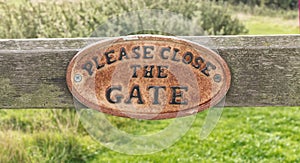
x: 266, y: 25
x: 268, y: 134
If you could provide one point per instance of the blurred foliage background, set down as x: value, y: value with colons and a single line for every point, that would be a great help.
x: 30, y: 19
x: 274, y: 4
x: 56, y: 19
x: 242, y: 135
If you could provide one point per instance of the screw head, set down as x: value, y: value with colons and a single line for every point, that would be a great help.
x: 217, y: 78
x: 77, y: 78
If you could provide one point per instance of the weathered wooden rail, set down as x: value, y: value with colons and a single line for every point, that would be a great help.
x: 265, y: 70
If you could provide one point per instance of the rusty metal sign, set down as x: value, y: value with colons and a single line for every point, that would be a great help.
x: 148, y: 77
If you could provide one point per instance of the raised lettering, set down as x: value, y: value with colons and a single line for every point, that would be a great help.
x: 177, y: 97
x: 148, y: 73
x: 134, y: 70
x: 187, y: 58
x: 162, y: 53
x: 161, y: 73
x: 136, y: 89
x: 207, y: 68
x: 108, y: 57
x: 88, y: 67
x: 147, y: 52
x: 135, y: 51
x: 156, y: 93
x: 118, y: 98
x: 174, y: 55
x: 95, y: 59
x: 197, y: 65
x: 123, y: 54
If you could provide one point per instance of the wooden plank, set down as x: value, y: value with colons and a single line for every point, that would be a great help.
x: 265, y: 70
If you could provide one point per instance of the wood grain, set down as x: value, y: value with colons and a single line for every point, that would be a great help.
x: 265, y: 70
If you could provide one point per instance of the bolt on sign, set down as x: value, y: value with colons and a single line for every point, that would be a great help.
x: 148, y: 77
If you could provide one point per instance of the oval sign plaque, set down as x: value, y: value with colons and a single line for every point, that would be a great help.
x: 148, y: 77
